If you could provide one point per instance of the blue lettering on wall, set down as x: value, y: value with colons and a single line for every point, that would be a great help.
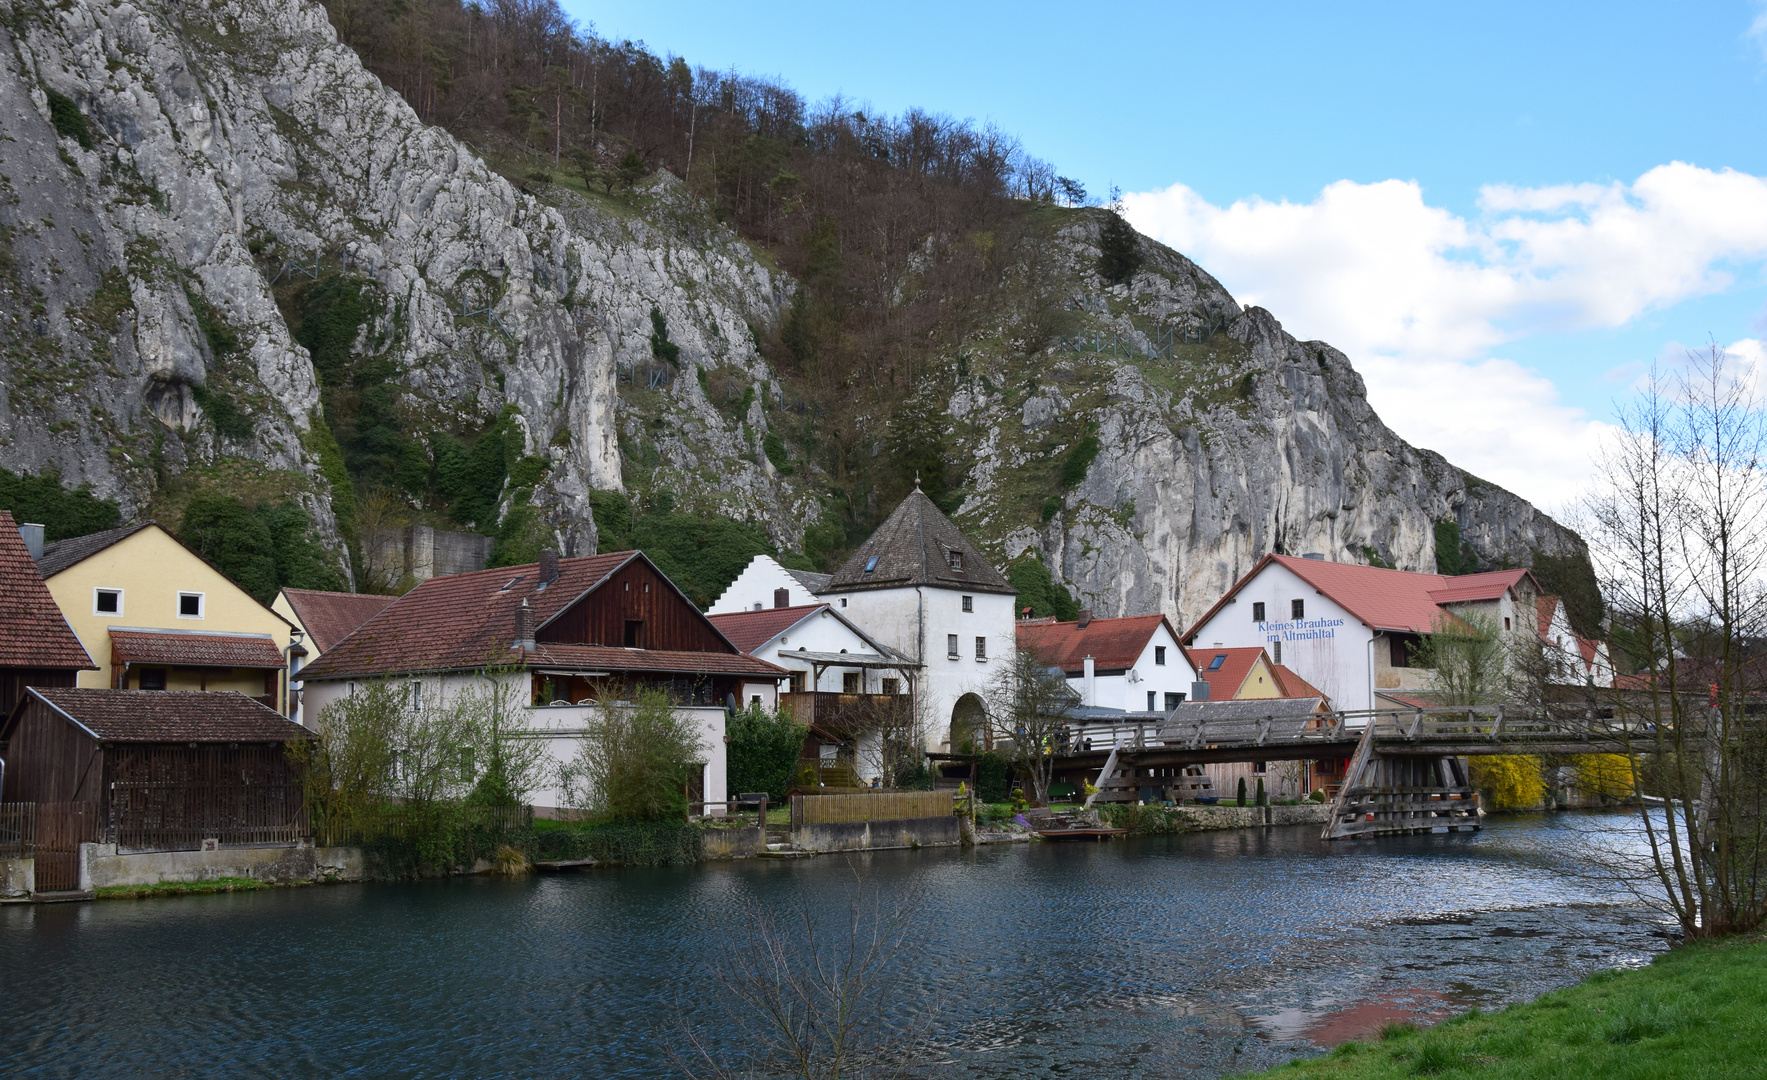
x: 1300, y: 629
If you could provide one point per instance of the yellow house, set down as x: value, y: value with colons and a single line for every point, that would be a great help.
x: 155, y: 616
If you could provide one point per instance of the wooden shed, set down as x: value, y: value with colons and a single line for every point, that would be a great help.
x: 164, y: 770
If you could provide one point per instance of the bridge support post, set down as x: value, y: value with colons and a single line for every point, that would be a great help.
x: 1397, y: 794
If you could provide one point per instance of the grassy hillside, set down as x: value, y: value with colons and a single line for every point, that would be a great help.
x: 1695, y: 1012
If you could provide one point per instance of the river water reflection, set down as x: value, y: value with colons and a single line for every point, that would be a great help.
x: 1187, y: 956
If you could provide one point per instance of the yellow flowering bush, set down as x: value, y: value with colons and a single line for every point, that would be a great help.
x: 1513, y: 780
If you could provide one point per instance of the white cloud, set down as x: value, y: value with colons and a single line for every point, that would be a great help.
x: 1757, y: 31
x: 1419, y: 297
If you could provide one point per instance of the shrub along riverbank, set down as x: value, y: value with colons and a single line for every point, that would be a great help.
x: 1695, y: 1011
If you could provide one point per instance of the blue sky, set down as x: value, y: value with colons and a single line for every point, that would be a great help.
x: 1481, y: 205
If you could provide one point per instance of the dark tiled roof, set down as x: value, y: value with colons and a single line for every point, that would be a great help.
x: 810, y: 580
x: 913, y: 547
x: 749, y: 630
x: 195, y: 650
x: 65, y: 553
x: 663, y: 661
x: 1247, y: 709
x: 152, y: 716
x: 328, y: 617
x: 33, y: 633
x: 467, y: 621
x: 1113, y: 644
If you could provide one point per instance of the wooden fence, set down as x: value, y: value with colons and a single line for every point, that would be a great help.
x: 150, y: 816
x: 870, y: 806
x: 18, y: 830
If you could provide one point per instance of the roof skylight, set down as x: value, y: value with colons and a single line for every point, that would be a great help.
x: 1215, y: 664
x: 871, y: 564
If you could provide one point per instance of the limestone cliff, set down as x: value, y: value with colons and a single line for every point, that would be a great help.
x: 174, y: 173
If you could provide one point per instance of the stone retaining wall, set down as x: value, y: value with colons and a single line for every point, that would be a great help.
x: 282, y: 864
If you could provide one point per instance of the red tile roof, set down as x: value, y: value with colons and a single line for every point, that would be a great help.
x: 1382, y: 599
x: 33, y: 633
x: 1544, y: 606
x: 184, y: 716
x: 1236, y: 664
x: 749, y: 630
x: 1292, y: 685
x: 328, y: 617
x: 1113, y: 644
x: 195, y: 650
x: 663, y: 661
x: 462, y: 622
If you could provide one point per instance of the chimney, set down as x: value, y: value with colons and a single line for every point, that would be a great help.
x: 782, y: 598
x: 1091, y: 697
x: 32, y: 535
x: 524, y: 626
x: 1085, y: 617
x: 548, y: 567
x: 1199, y: 691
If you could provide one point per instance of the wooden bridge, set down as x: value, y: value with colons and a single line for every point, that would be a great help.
x: 1407, y: 770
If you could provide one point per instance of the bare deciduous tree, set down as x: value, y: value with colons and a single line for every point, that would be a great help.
x: 1679, y: 527
x: 816, y: 993
x: 1027, y: 704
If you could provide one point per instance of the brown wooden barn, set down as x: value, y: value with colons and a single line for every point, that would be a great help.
x: 37, y: 647
x: 164, y: 770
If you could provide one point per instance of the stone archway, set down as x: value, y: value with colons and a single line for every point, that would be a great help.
x: 969, y: 725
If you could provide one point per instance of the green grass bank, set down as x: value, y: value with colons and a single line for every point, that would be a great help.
x: 1699, y: 1011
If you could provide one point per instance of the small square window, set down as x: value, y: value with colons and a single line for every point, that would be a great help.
x: 956, y: 559
x: 153, y: 678
x: 892, y: 686
x: 1173, y: 701
x: 969, y: 603
x: 843, y: 601
x: 1159, y: 655
x: 1297, y: 609
x: 190, y: 605
x: 1258, y: 611
x: 951, y: 646
x: 849, y: 682
x: 107, y: 601
x: 981, y: 648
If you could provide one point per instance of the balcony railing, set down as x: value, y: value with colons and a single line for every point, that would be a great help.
x: 848, y: 714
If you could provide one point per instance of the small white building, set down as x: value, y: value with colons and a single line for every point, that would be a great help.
x: 1351, y: 630
x: 1133, y: 663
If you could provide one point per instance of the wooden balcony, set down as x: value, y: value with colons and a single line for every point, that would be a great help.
x: 849, y: 715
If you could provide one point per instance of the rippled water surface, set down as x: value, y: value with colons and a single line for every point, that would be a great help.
x: 1184, y: 956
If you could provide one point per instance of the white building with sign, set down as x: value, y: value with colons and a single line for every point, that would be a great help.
x: 1351, y: 630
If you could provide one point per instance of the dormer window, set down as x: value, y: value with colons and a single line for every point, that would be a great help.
x: 956, y: 560
x: 512, y: 583
x: 871, y: 564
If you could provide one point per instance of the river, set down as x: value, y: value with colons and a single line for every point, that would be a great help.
x: 1187, y: 956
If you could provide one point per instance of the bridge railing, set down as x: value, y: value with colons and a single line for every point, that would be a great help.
x: 1446, y: 724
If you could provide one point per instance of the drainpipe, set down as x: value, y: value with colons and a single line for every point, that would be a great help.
x: 1091, y: 682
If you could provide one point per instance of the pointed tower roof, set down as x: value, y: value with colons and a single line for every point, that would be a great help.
x: 918, y: 545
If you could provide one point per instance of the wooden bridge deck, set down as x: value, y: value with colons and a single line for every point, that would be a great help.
x: 1406, y: 773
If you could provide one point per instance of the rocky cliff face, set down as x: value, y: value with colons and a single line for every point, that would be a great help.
x: 217, y: 153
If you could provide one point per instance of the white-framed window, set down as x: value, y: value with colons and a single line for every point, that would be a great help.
x: 981, y: 648
x: 951, y: 646
x: 107, y: 601
x: 969, y: 603
x: 190, y: 605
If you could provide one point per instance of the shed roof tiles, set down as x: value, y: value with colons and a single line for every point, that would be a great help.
x: 158, y: 716
x: 33, y: 632
x: 914, y: 546
x: 177, y: 649
x: 749, y: 630
x: 328, y: 617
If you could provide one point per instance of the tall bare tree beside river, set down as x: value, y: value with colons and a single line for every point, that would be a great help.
x: 1678, y: 524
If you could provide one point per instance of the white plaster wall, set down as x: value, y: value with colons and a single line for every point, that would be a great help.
x: 755, y: 586
x: 1129, y: 692
x: 916, y: 621
x: 558, y: 726
x: 1330, y: 648
x: 825, y: 633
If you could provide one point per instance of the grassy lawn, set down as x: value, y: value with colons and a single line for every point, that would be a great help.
x: 179, y: 888
x: 1696, y: 1012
